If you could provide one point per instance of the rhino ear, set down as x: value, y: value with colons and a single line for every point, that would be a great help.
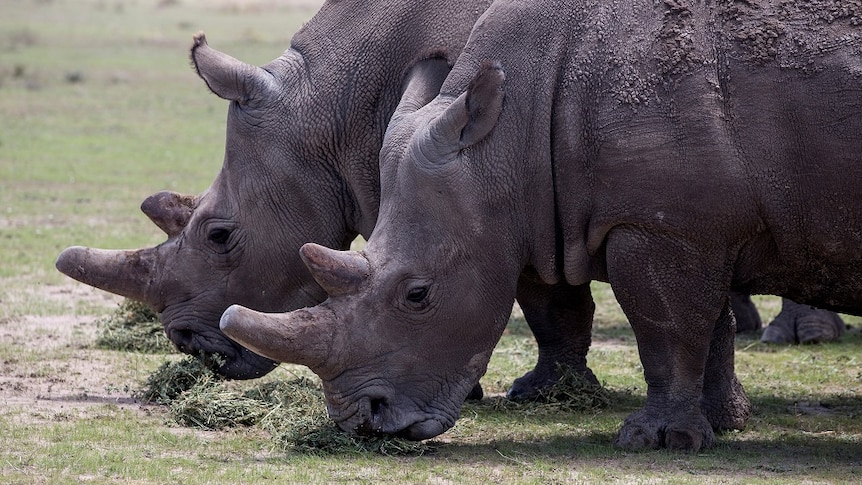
x: 421, y: 84
x: 169, y: 210
x: 228, y: 77
x: 474, y: 114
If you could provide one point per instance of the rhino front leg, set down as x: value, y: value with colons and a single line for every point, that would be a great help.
x: 671, y: 291
x: 561, y: 319
x: 797, y: 323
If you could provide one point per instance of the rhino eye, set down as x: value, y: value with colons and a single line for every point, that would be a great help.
x: 219, y: 235
x: 417, y: 295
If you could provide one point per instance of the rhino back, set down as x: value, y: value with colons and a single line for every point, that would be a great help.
x: 353, y: 57
x: 733, y: 123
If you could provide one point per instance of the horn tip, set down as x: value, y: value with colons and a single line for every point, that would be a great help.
x: 310, y: 249
x: 68, y: 259
x: 232, y: 321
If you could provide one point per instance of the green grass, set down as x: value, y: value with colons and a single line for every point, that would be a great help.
x: 99, y: 109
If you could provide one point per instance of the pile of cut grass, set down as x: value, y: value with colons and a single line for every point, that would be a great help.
x: 133, y: 327
x: 572, y: 393
x: 293, y: 412
x: 172, y: 379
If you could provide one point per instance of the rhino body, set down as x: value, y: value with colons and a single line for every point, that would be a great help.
x: 679, y: 150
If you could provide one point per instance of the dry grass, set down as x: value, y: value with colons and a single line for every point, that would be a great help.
x: 294, y: 411
x: 133, y: 327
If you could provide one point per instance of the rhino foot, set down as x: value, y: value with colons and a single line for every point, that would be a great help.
x: 798, y: 323
x: 645, y: 430
x: 476, y: 394
x: 725, y: 406
x: 541, y: 380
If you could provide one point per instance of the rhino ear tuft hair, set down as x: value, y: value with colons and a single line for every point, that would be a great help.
x: 227, y: 77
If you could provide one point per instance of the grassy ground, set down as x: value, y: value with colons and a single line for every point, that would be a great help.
x: 98, y: 109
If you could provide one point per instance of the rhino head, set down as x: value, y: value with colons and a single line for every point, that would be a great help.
x: 411, y: 321
x: 282, y: 183
x: 236, y: 242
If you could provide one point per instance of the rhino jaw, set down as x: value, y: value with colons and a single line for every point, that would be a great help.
x: 124, y: 273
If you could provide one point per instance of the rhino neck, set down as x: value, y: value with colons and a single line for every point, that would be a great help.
x: 356, y: 55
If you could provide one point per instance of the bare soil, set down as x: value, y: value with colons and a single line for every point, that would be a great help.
x: 56, y: 372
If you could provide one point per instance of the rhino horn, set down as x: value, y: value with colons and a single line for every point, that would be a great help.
x: 299, y: 337
x: 228, y: 77
x: 337, y: 272
x: 472, y: 115
x: 125, y: 273
x: 169, y: 210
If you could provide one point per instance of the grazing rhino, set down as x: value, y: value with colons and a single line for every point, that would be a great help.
x: 301, y: 164
x: 678, y: 150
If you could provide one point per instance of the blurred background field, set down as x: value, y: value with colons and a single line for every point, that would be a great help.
x: 99, y: 108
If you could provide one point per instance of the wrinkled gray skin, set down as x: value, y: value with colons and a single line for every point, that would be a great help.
x: 795, y: 324
x: 679, y: 151
x: 301, y: 164
x: 803, y: 324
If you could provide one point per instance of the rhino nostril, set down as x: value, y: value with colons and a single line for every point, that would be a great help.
x: 376, y: 407
x: 182, y: 339
x: 371, y: 424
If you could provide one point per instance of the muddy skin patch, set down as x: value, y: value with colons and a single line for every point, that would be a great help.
x: 760, y: 30
x: 679, y: 53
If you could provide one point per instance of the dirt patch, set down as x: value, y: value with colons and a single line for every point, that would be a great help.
x: 49, y: 367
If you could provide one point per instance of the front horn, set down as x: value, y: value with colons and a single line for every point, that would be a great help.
x: 299, y: 337
x: 125, y: 273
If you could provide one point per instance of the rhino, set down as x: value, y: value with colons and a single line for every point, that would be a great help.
x: 301, y: 164
x: 795, y: 323
x: 302, y: 141
x: 678, y: 150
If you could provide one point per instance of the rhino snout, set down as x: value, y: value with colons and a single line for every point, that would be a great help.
x: 376, y: 416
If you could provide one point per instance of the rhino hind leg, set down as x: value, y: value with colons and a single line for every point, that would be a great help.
x: 798, y: 323
x: 561, y: 318
x: 747, y: 316
x: 724, y: 402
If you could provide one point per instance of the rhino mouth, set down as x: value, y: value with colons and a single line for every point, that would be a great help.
x: 376, y: 415
x: 226, y: 357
